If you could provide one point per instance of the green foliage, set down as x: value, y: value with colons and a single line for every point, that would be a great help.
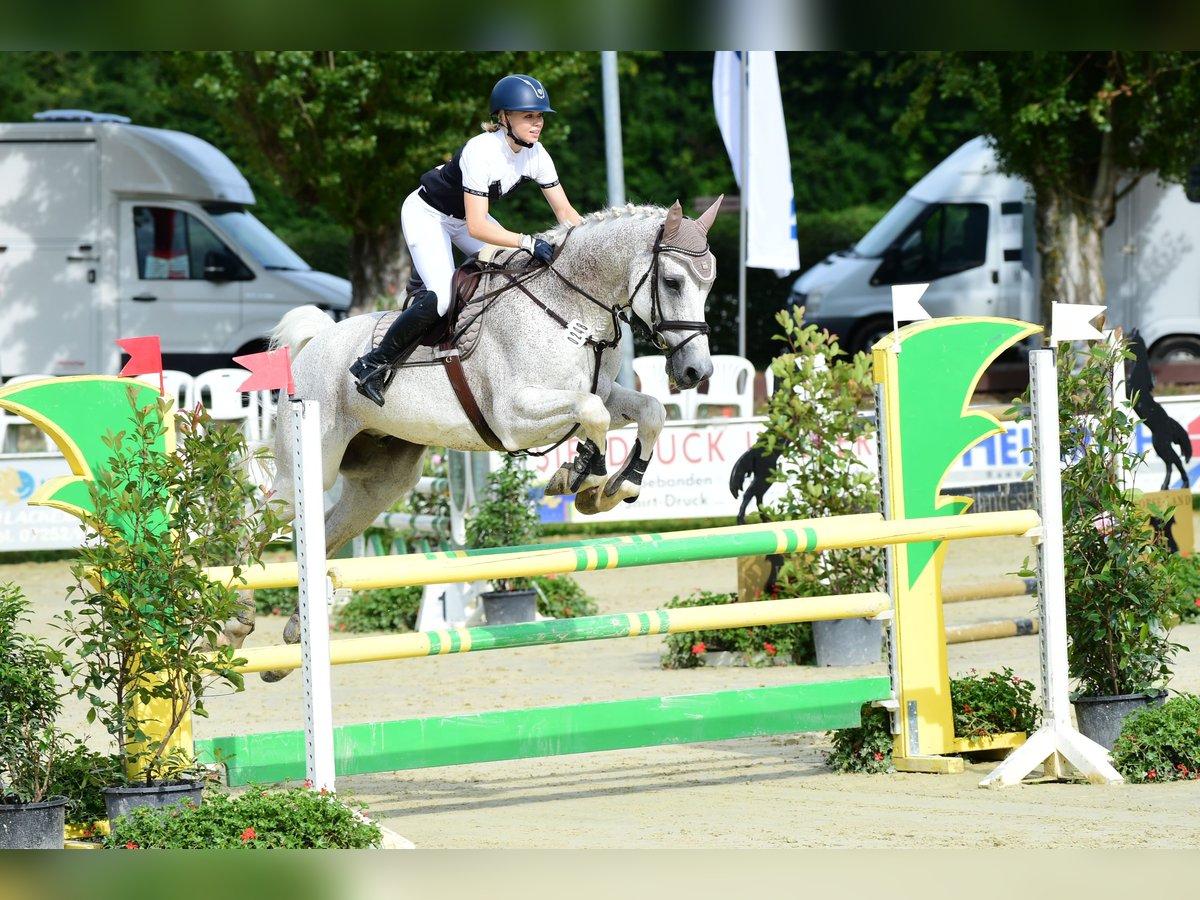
x: 506, y: 516
x: 1185, y: 585
x: 984, y: 705
x: 561, y: 597
x: 1160, y: 743
x: 814, y: 419
x: 385, y: 609
x: 30, y: 743
x: 81, y: 775
x: 865, y: 748
x: 993, y: 703
x: 142, y: 612
x: 760, y: 645
x: 295, y: 818
x: 1118, y: 578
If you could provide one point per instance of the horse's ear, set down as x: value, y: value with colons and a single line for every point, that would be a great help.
x: 706, y: 218
x: 674, y: 220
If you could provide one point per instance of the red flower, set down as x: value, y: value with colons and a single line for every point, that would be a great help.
x: 1152, y: 774
x: 697, y: 649
x: 132, y: 846
x: 248, y: 834
x: 1198, y: 601
x: 966, y: 707
x: 770, y: 648
x: 1012, y: 711
x: 308, y: 782
x: 879, y: 756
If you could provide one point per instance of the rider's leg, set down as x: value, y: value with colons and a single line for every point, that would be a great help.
x: 427, y: 233
x: 410, y: 326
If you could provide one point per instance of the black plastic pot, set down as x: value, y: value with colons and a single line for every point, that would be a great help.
x: 33, y: 826
x: 509, y: 607
x: 1101, y: 717
x: 121, y: 799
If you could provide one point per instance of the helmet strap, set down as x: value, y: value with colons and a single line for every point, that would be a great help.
x: 516, y: 140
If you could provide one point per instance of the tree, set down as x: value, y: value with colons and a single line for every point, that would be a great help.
x: 1082, y: 128
x: 352, y: 132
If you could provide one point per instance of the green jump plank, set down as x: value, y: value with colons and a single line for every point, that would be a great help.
x: 552, y: 730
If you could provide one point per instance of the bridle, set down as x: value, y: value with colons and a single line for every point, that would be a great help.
x: 654, y: 331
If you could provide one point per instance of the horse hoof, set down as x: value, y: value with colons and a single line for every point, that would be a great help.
x: 291, y: 630
x: 587, y: 503
x: 559, y: 482
x: 274, y: 675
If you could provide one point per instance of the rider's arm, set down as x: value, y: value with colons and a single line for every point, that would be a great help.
x: 563, y: 210
x: 480, y: 227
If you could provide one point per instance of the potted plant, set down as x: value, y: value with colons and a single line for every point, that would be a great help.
x: 814, y: 419
x: 142, y: 612
x: 31, y: 818
x: 507, y: 516
x: 1119, y: 595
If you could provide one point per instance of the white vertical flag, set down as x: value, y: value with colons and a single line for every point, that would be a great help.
x: 770, y: 203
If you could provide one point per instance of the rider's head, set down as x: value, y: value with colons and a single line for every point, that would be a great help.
x: 518, y: 94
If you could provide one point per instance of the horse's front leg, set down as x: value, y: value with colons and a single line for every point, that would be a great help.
x: 532, y: 415
x: 624, y: 406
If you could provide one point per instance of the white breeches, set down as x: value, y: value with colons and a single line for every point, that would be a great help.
x: 429, y: 235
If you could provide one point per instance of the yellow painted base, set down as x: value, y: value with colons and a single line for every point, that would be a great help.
x: 994, y: 742
x: 934, y: 765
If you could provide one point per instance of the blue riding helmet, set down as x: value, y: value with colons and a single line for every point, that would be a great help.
x: 520, y: 92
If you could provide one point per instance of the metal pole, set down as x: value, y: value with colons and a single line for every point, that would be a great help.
x: 315, y: 589
x: 616, y: 178
x: 744, y: 165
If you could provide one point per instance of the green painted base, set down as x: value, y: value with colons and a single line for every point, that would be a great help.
x: 551, y: 731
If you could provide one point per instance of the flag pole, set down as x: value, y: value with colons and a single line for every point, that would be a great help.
x: 742, y: 204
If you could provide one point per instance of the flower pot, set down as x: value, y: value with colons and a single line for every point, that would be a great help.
x: 33, y: 826
x: 509, y: 607
x: 162, y: 795
x: 1101, y: 717
x: 848, y: 642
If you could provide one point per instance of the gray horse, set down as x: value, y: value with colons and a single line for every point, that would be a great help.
x: 545, y: 364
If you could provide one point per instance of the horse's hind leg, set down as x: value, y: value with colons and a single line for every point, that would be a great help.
x: 376, y: 472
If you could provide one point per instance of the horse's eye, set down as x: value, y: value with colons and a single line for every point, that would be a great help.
x: 673, y: 284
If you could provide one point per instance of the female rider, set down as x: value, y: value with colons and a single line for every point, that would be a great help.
x: 451, y: 206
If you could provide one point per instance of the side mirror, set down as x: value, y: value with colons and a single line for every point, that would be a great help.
x: 886, y: 273
x: 221, y: 266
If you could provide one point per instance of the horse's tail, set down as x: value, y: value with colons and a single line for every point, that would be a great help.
x: 297, y: 327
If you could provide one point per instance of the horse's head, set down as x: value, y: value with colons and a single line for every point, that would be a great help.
x: 670, y: 297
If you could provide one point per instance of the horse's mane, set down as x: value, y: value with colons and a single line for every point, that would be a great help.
x: 604, y: 216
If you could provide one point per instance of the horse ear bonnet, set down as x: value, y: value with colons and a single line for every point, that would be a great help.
x: 690, y: 238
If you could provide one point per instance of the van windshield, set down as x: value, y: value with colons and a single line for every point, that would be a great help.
x: 257, y: 239
x: 887, y: 229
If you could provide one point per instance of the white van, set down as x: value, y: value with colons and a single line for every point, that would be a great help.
x: 967, y: 229
x: 111, y: 230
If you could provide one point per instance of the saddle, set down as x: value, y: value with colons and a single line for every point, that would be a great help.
x: 460, y: 328
x: 456, y: 335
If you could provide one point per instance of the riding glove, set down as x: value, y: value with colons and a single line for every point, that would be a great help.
x: 541, y: 250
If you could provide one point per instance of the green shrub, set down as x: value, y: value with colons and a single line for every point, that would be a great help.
x: 1185, y: 585
x: 1161, y: 743
x: 81, y: 775
x: 758, y: 645
x: 984, y: 705
x: 383, y: 609
x: 294, y: 818
x: 561, y: 597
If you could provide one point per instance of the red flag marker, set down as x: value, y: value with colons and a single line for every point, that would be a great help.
x: 269, y: 370
x: 145, y: 357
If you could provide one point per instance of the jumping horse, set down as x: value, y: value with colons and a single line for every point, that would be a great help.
x: 538, y: 350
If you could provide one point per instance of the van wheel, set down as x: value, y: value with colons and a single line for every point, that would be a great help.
x: 1178, y: 348
x: 869, y: 333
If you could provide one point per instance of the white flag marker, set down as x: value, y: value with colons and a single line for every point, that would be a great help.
x: 1073, y: 322
x: 906, y: 306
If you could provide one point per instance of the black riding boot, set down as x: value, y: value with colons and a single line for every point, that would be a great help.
x: 371, y: 369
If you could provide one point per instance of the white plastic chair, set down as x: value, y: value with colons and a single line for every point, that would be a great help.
x: 180, y: 386
x: 20, y: 424
x: 651, y: 372
x: 769, y: 382
x: 730, y: 389
x: 218, y: 390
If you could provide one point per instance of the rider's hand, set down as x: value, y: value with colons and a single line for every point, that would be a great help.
x: 541, y: 250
